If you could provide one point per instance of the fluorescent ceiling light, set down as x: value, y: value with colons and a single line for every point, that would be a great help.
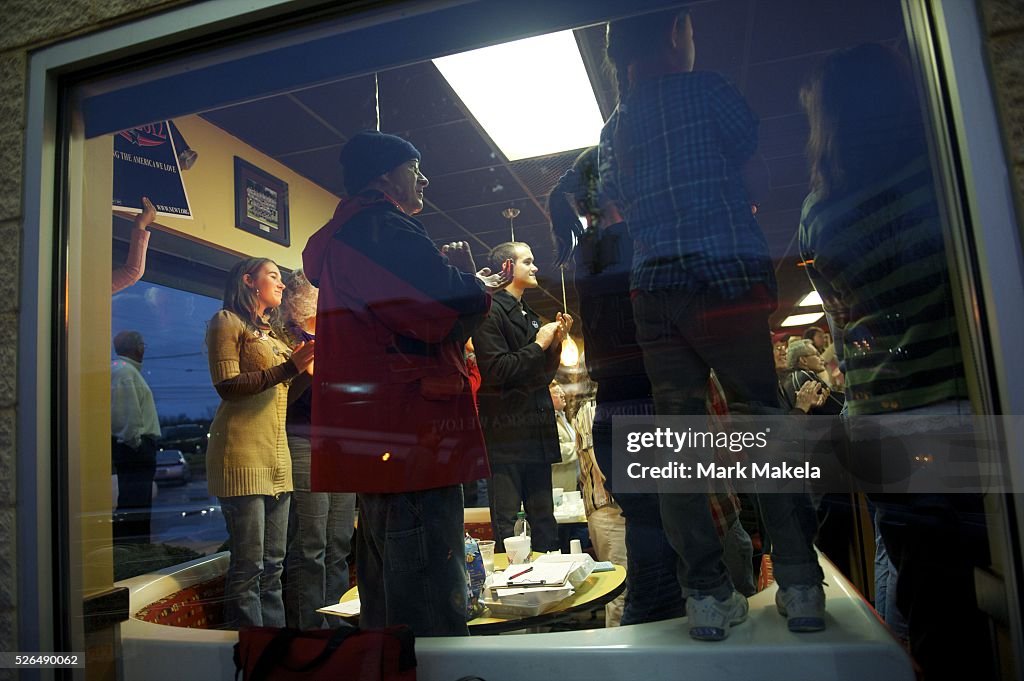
x: 532, y: 96
x: 802, y: 319
x: 812, y: 298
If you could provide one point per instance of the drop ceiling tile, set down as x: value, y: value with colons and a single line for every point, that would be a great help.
x: 452, y: 148
x: 773, y: 88
x: 719, y: 34
x: 481, y: 219
x: 788, y: 28
x: 540, y: 174
x: 275, y: 126
x: 477, y: 187
x: 348, y: 106
x: 783, y: 198
x: 783, y: 136
x: 789, y: 171
x: 416, y: 96
x: 320, y: 166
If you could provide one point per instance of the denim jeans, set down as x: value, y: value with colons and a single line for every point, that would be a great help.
x: 652, y: 589
x: 652, y: 586
x: 320, y: 528
x: 684, y: 334
x: 257, y: 531
x: 885, y: 588
x: 411, y: 560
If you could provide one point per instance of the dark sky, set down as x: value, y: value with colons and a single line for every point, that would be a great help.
x: 173, y: 325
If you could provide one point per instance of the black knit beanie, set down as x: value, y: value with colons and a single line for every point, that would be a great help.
x: 370, y: 154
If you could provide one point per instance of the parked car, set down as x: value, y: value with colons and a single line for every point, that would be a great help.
x: 171, y: 468
x: 190, y: 438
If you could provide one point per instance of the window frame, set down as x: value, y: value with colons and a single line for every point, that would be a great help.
x: 988, y: 252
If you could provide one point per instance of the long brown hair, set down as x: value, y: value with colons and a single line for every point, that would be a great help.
x: 864, y: 118
x: 581, y: 184
x: 242, y: 299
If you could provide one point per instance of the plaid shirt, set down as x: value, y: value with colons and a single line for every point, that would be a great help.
x: 671, y: 156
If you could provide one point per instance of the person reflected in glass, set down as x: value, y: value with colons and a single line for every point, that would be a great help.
x: 672, y: 156
x: 602, y: 253
x: 135, y: 429
x: 248, y: 465
x: 393, y: 417
x: 320, y: 524
x: 871, y: 233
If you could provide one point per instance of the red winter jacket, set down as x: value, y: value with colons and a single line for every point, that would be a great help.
x: 392, y: 408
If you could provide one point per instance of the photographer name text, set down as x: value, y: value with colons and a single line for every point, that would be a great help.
x: 716, y: 471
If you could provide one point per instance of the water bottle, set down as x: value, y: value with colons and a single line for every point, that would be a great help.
x: 522, y: 528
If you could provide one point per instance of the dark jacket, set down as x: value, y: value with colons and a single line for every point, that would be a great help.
x: 516, y: 413
x: 392, y: 407
x: 615, y: 361
x: 790, y: 383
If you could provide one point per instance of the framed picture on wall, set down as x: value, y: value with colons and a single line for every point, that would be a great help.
x: 261, y: 203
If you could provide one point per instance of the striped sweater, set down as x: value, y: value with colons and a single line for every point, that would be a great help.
x: 877, y: 257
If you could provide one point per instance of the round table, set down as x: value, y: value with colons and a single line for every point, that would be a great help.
x: 597, y: 590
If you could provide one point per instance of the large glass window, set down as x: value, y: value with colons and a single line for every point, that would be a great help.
x: 769, y: 176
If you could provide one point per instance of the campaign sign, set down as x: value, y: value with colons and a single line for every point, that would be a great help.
x: 146, y: 164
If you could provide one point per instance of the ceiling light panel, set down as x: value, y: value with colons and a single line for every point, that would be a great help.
x: 802, y: 319
x: 532, y: 96
x: 812, y: 298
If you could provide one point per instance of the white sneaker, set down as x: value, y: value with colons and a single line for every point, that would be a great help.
x: 803, y: 607
x: 711, y: 618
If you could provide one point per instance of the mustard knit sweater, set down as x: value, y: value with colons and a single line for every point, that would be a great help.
x: 248, y: 448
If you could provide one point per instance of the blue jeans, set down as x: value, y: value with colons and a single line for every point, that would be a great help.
x: 320, y: 527
x: 257, y: 531
x: 885, y: 588
x: 411, y: 561
x: 652, y: 586
x: 684, y: 334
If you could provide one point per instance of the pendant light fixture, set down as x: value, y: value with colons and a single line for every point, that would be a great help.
x: 511, y: 214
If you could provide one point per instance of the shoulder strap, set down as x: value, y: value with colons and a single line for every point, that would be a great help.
x: 271, y: 655
x: 276, y: 651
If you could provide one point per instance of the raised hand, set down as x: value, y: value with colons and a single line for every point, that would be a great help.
x: 547, y: 335
x: 496, y: 282
x: 302, y: 356
x: 147, y: 216
x: 811, y: 394
x: 564, y: 321
x: 459, y: 255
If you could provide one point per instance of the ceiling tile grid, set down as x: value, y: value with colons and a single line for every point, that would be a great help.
x: 768, y: 48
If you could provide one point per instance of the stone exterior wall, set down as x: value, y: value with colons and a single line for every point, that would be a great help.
x: 30, y: 24
x: 1004, y: 23
x: 26, y: 25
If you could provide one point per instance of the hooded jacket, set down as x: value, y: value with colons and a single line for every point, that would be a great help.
x: 392, y: 406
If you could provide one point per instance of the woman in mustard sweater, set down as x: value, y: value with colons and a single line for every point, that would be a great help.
x: 248, y: 463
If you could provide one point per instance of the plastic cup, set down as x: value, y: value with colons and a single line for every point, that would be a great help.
x: 487, y: 554
x: 517, y: 549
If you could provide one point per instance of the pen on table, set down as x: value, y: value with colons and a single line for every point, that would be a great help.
x: 519, y: 574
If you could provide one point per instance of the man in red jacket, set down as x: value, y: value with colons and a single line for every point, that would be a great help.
x: 393, y: 417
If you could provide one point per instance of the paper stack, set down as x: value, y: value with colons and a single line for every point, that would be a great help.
x: 535, y: 588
